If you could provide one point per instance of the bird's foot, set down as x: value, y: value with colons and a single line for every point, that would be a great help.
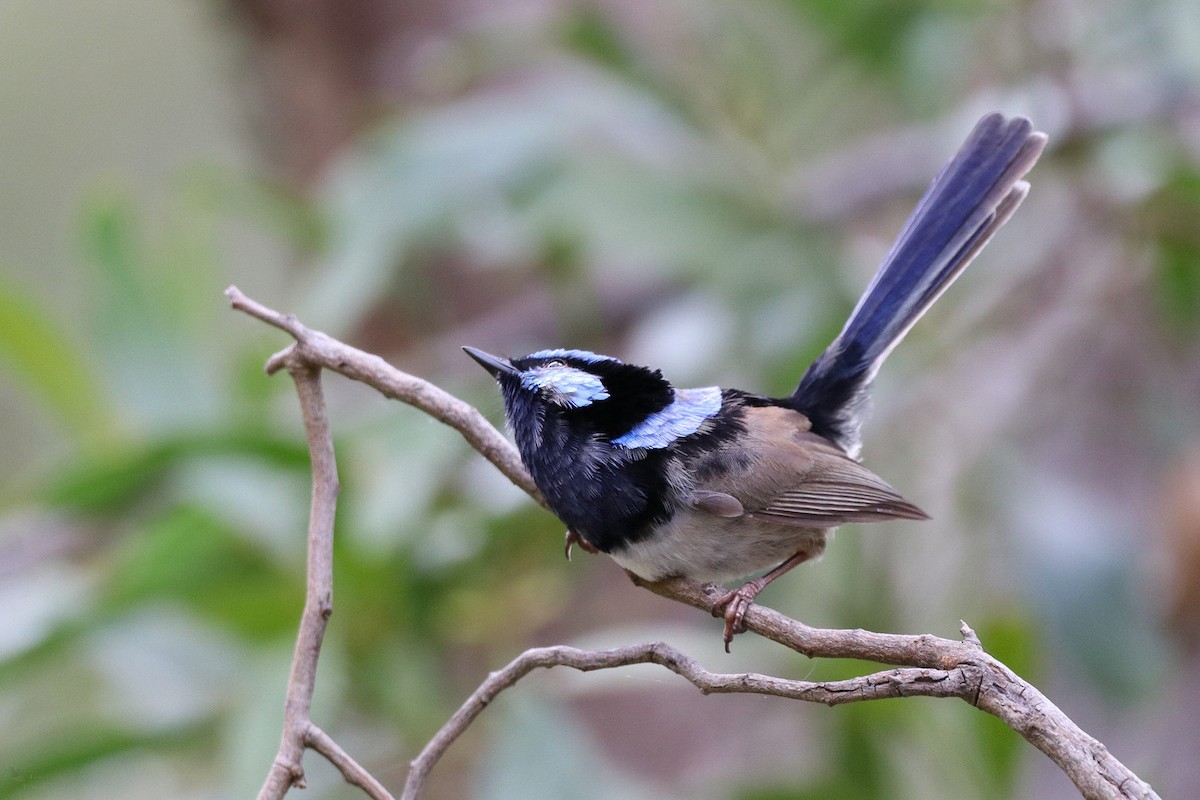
x: 734, y: 605
x: 574, y: 538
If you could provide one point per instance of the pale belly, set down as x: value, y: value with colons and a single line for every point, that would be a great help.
x: 707, y: 548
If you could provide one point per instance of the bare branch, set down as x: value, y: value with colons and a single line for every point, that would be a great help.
x: 884, y: 648
x: 893, y: 683
x: 354, y: 774
x: 318, y: 350
x: 928, y: 665
x: 998, y: 691
x: 287, y: 770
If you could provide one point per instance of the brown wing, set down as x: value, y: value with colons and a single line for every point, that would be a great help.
x: 782, y: 472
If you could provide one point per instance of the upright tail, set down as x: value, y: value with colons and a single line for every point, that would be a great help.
x: 968, y: 201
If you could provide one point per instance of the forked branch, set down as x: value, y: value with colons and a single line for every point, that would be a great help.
x: 925, y: 665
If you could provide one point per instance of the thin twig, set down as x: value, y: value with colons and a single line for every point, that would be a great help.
x: 892, y: 683
x: 298, y: 731
x: 319, y: 350
x: 354, y: 774
x: 928, y: 665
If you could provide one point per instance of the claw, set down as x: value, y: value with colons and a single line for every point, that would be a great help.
x: 574, y: 538
x: 735, y: 605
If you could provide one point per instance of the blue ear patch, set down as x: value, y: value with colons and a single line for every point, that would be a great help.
x: 682, y: 418
x: 563, y: 385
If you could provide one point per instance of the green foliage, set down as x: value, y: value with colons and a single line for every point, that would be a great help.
x: 187, y: 556
x: 113, y: 482
x: 872, y: 31
x: 148, y: 424
x: 79, y: 749
x: 1169, y: 217
x: 590, y: 34
x: 640, y: 184
x: 1014, y: 641
x: 52, y: 368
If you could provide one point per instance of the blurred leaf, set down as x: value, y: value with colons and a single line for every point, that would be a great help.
x: 1013, y: 640
x: 110, y: 239
x: 873, y: 31
x: 188, y: 555
x: 110, y: 482
x: 588, y: 32
x: 43, y: 597
x: 251, y: 405
x: 1179, y: 282
x: 615, y: 212
x: 152, y: 272
x: 1077, y: 543
x: 552, y: 757
x: 50, y: 649
x: 411, y: 180
x: 152, y: 293
x: 233, y: 194
x: 53, y: 368
x: 74, y: 750
x: 857, y: 769
x: 1168, y: 217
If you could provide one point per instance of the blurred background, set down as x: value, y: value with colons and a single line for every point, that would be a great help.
x: 702, y: 186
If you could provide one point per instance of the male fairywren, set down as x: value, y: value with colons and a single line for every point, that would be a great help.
x: 715, y: 484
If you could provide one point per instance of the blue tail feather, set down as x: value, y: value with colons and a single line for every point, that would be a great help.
x: 968, y: 201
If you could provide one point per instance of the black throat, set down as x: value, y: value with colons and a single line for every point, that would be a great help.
x: 605, y: 493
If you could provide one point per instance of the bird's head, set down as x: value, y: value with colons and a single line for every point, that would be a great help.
x: 590, y: 393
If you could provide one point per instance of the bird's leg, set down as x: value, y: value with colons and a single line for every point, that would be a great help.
x: 574, y: 538
x: 736, y: 602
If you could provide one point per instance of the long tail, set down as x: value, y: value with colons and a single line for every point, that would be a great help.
x: 968, y: 201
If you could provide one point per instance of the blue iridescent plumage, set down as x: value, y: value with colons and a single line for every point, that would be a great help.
x: 968, y: 201
x: 582, y: 355
x: 566, y: 386
x: 682, y: 418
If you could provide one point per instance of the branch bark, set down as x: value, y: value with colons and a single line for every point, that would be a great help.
x: 299, y: 732
x: 926, y: 665
x: 892, y: 683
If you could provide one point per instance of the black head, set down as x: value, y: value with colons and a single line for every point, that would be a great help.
x: 589, y: 392
x: 567, y: 409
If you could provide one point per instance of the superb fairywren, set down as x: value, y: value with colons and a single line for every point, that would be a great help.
x: 715, y: 484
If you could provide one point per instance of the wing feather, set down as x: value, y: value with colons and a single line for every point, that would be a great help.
x: 791, y: 476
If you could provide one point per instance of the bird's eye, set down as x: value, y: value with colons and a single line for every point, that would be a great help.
x: 555, y: 364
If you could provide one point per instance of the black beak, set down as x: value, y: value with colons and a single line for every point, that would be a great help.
x: 493, y: 364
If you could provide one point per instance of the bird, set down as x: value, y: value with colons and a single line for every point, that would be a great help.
x: 717, y: 484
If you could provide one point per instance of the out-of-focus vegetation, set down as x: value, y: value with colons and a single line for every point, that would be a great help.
x: 701, y: 186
